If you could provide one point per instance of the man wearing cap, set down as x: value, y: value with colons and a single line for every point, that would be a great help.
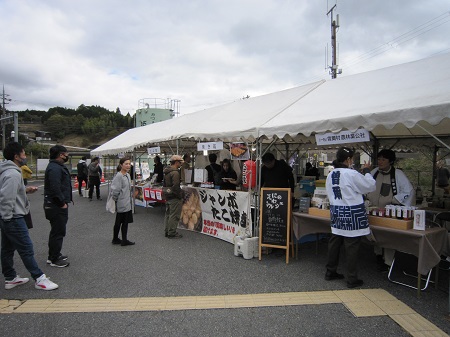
x: 174, y: 201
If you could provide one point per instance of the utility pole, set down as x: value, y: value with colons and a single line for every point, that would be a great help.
x: 334, y: 71
x: 6, y: 118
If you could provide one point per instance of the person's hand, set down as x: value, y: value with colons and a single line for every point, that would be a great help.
x: 65, y: 206
x: 31, y: 189
x: 367, y: 167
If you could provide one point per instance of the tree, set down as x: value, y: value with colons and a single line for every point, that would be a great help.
x: 57, y: 125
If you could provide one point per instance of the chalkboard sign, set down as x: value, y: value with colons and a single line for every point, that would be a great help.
x: 275, y: 219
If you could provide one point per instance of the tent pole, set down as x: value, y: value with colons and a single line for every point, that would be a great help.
x: 133, y: 206
x: 257, y: 187
x: 376, y: 148
x: 433, y: 181
x: 440, y: 141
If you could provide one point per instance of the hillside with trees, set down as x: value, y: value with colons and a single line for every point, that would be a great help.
x: 88, y: 124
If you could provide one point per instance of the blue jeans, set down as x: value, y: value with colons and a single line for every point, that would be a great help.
x: 58, y: 218
x: 15, y: 237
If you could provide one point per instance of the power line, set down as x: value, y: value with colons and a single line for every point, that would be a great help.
x: 417, y: 31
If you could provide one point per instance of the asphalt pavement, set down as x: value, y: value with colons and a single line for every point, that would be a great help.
x: 196, y: 265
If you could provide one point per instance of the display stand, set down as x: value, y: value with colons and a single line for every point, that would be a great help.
x: 275, y: 219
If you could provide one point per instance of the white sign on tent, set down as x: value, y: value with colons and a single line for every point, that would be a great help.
x: 154, y: 150
x: 210, y: 146
x: 360, y: 135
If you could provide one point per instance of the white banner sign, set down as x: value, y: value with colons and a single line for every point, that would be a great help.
x: 210, y: 146
x: 145, y: 169
x: 221, y: 214
x: 154, y: 150
x: 358, y: 136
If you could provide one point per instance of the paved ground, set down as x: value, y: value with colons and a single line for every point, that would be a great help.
x: 206, y: 268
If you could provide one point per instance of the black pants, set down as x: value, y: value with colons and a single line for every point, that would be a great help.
x: 94, y: 182
x: 121, y: 224
x: 80, y: 183
x: 351, y: 246
x: 58, y: 218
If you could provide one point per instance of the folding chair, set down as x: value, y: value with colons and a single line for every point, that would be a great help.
x: 443, y: 219
x: 408, y: 264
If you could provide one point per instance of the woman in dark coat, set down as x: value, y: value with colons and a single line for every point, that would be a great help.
x: 227, y: 178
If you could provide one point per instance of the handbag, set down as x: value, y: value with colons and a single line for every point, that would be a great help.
x: 167, y: 192
x: 110, y: 205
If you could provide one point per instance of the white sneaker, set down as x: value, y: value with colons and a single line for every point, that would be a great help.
x: 16, y: 282
x: 44, y: 283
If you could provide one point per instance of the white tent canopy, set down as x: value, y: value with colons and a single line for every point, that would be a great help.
x: 399, y: 101
x: 390, y: 102
x: 230, y: 122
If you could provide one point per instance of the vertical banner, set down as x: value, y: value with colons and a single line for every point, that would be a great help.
x: 217, y: 213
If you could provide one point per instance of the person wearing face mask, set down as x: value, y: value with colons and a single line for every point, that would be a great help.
x: 57, y: 196
x: 14, y: 206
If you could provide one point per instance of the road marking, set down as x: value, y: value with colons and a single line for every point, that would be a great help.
x: 361, y: 303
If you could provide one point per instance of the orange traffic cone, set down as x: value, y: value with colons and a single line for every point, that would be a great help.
x: 103, y: 178
x: 76, y: 183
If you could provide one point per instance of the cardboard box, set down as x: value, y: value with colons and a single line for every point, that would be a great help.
x: 390, y: 222
x: 319, y: 212
x: 373, y: 220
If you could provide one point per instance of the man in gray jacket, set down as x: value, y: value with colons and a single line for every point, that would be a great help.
x: 14, y: 206
x: 94, y: 173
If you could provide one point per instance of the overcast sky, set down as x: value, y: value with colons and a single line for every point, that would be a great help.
x: 202, y: 52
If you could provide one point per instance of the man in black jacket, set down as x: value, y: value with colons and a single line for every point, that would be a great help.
x: 82, y: 174
x: 213, y: 168
x: 276, y: 173
x: 57, y: 196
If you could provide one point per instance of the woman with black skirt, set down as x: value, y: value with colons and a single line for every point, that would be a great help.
x: 121, y: 194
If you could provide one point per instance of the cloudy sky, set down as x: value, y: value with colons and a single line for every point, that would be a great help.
x: 202, y: 52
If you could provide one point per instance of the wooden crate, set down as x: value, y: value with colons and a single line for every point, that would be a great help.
x: 319, y: 212
x: 373, y: 220
x: 389, y: 222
